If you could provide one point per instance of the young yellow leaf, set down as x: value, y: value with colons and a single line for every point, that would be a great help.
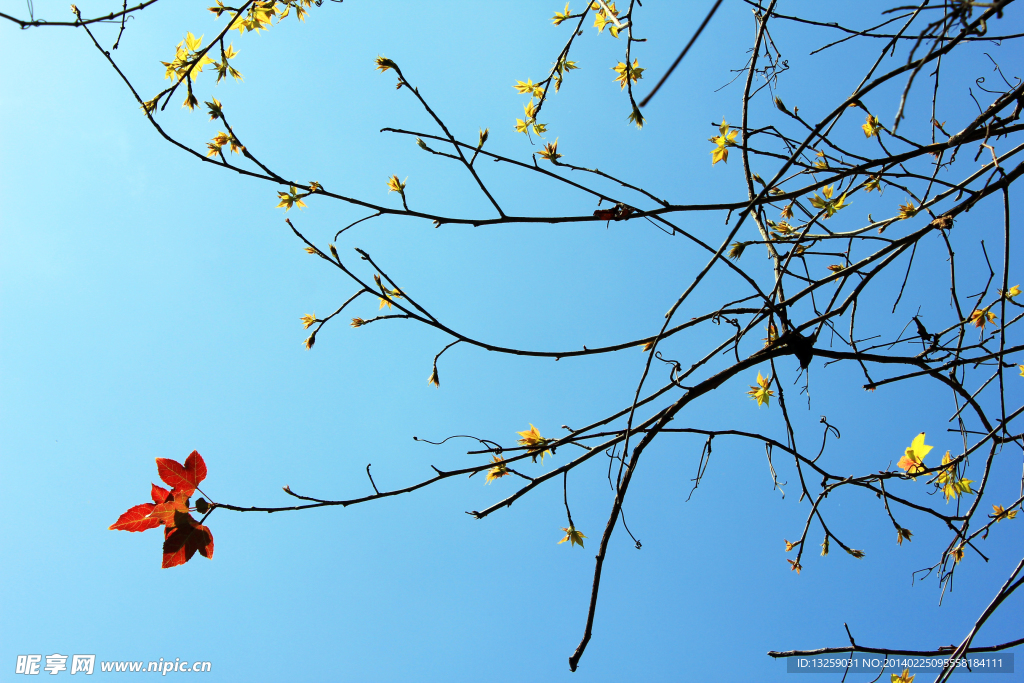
x: 725, y: 139
x: 290, y: 199
x: 913, y: 458
x: 905, y: 677
x: 216, y: 110
x: 535, y: 443
x: 872, y: 126
x: 392, y: 294
x: 308, y: 320
x: 192, y: 42
x: 434, y: 379
x: 498, y: 471
x: 903, y: 534
x: 636, y: 117
x: 529, y: 88
x: 383, y: 64
x: 1001, y: 514
x: 396, y: 185
x: 796, y: 567
x: 561, y: 16
x: 628, y: 73
x: 827, y: 204
x: 982, y: 318
x: 736, y: 250
x: 573, y: 536
x: 908, y: 210
x: 551, y: 152
x: 761, y: 393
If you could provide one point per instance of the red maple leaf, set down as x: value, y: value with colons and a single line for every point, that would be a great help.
x: 183, y: 479
x: 159, y: 494
x: 184, y: 538
x: 183, y: 535
x: 164, y: 512
x: 138, y: 518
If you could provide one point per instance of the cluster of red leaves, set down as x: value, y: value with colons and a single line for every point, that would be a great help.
x: 183, y: 535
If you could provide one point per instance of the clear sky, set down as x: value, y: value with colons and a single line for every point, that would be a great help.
x: 150, y: 305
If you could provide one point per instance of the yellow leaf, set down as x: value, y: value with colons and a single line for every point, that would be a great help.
x: 192, y: 42
x: 216, y: 110
x: 636, y: 117
x: 761, y: 393
x: 903, y: 534
x: 561, y: 16
x: 905, y: 677
x: 551, y: 152
x: 795, y: 566
x: 393, y: 294
x: 529, y: 87
x: 290, y: 199
x: 434, y: 379
x: 573, y: 536
x: 827, y: 204
x: 628, y: 73
x: 1001, y: 514
x: 982, y: 318
x: 908, y: 210
x: 498, y: 471
x: 872, y: 126
x: 383, y: 64
x: 308, y: 320
x: 913, y: 458
x: 534, y: 442
x: 396, y: 185
x: 723, y: 141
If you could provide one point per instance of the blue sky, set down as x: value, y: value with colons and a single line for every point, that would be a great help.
x: 150, y: 304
